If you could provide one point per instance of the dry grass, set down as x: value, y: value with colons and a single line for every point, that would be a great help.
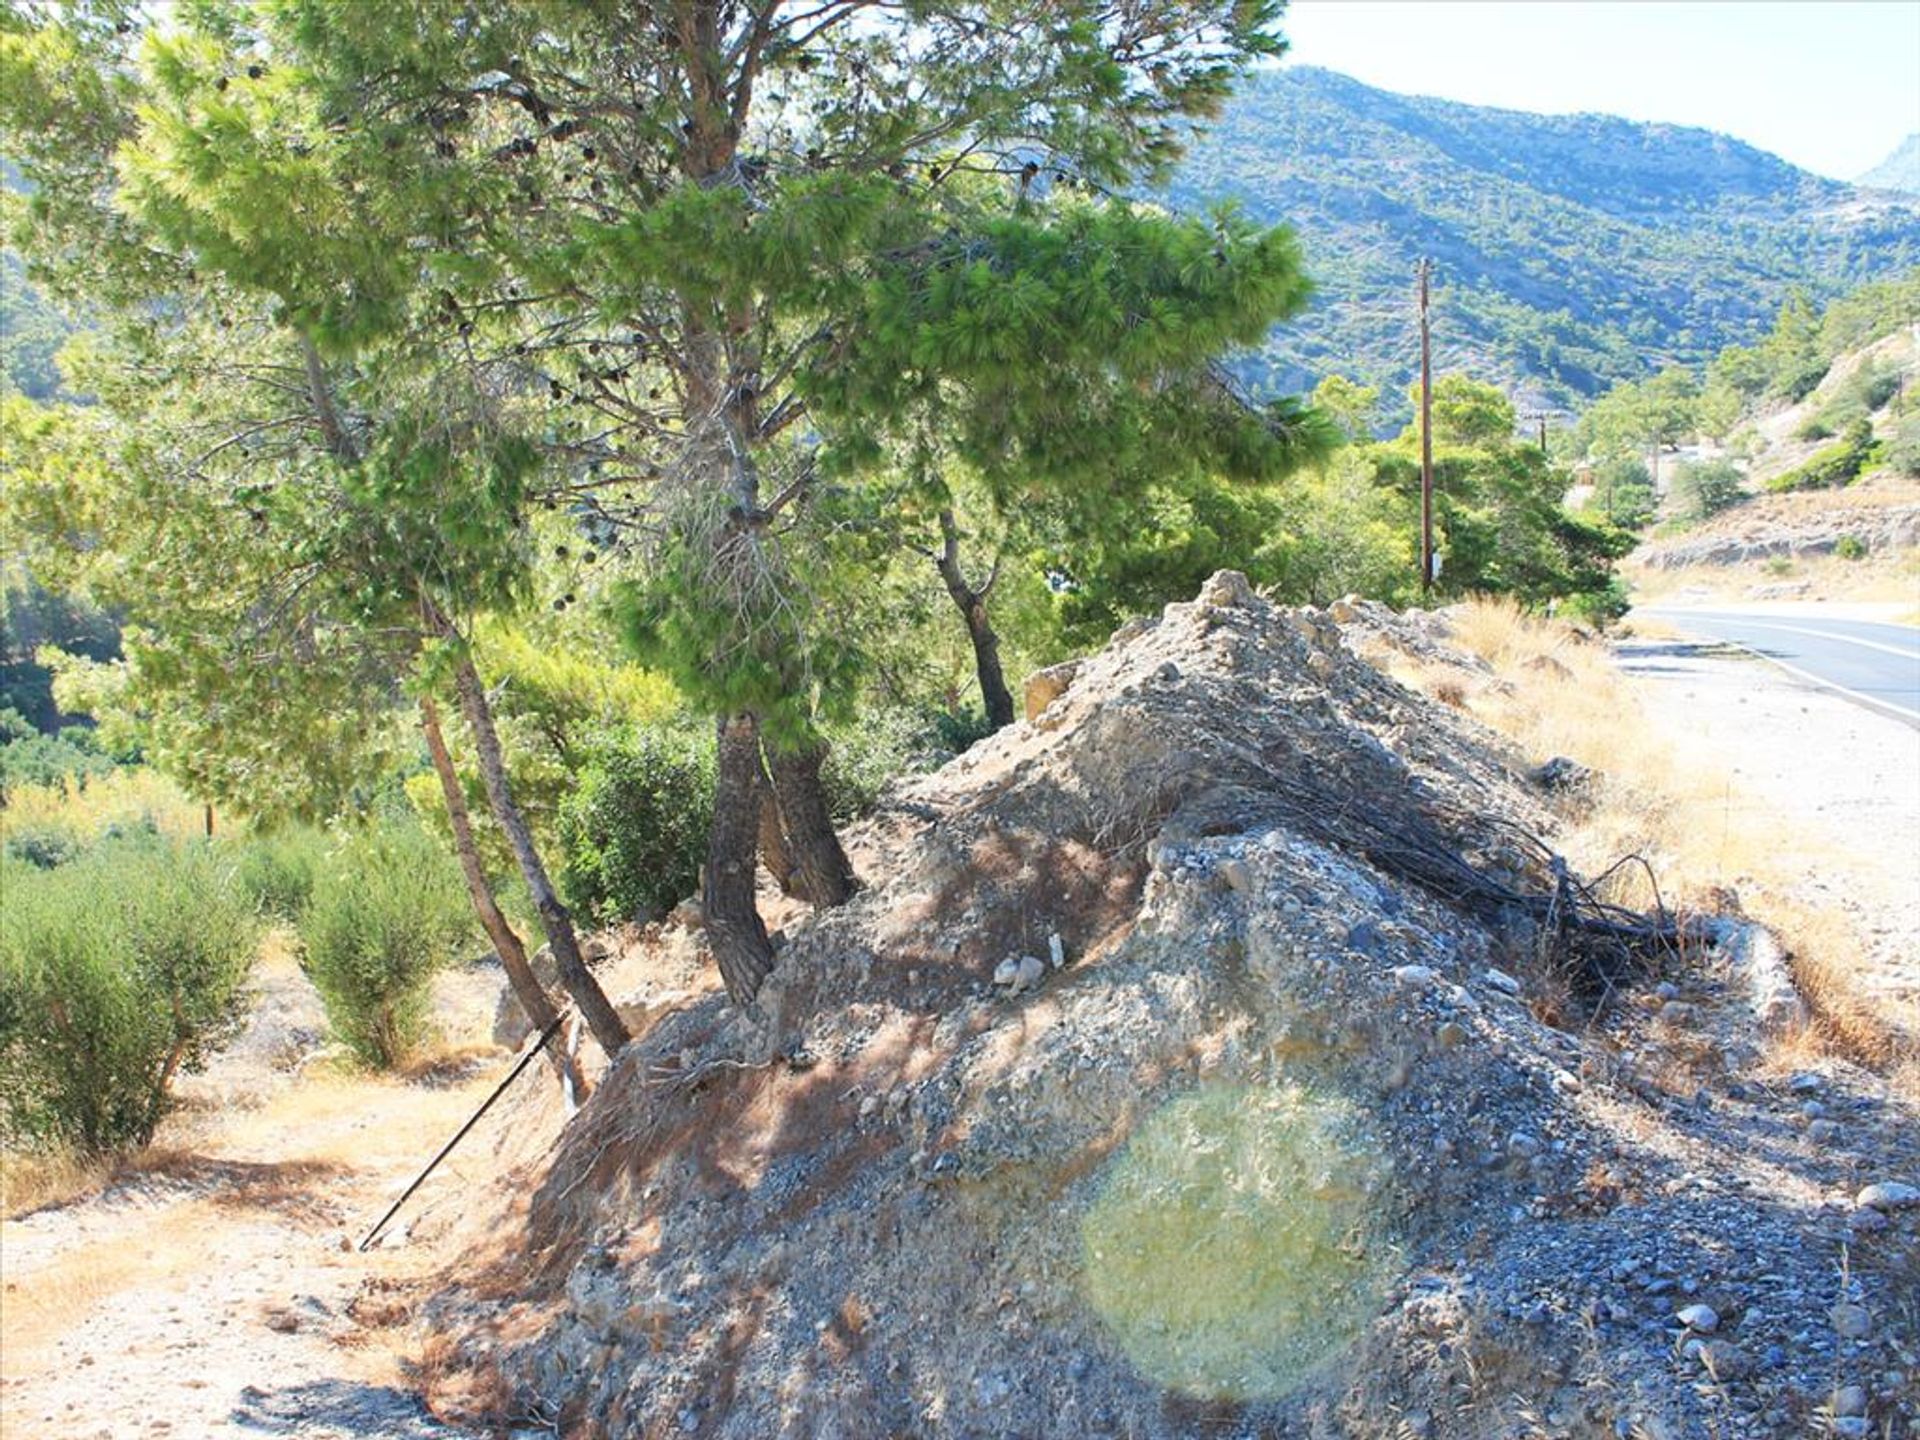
x: 34, y: 1182
x: 1680, y: 819
x: 82, y: 809
x: 1881, y: 576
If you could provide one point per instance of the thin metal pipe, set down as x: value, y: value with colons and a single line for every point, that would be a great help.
x: 473, y: 1120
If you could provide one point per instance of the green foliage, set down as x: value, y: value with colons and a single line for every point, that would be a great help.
x: 29, y: 758
x: 1599, y: 608
x: 276, y: 869
x: 633, y: 832
x: 31, y: 334
x: 1901, y: 450
x: 1832, y: 467
x: 32, y: 620
x: 118, y: 970
x: 1623, y: 491
x: 1707, y: 487
x: 1850, y: 547
x: 1640, y: 418
x: 882, y: 744
x: 386, y: 910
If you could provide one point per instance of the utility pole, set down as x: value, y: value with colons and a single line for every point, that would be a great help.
x: 1425, y: 271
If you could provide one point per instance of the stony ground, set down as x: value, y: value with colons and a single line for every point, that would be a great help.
x: 207, y: 1292
x: 1157, y: 1086
x: 1833, y: 788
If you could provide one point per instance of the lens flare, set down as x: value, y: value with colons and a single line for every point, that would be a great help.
x: 1236, y: 1245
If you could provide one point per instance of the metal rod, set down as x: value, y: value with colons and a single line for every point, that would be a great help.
x: 1426, y: 432
x: 473, y: 1120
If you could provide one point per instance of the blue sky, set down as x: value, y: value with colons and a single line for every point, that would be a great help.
x: 1832, y: 85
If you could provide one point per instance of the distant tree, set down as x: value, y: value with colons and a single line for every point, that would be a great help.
x: 1706, y: 487
x: 1468, y: 412
x: 1352, y: 407
x: 1623, y: 491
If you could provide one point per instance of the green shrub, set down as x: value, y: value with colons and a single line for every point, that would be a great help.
x: 1708, y: 487
x: 276, y: 871
x: 43, y: 847
x: 1901, y: 450
x: 35, y: 759
x: 878, y: 748
x: 1815, y: 429
x: 1850, y: 547
x: 1868, y: 389
x: 633, y: 833
x: 1832, y: 467
x: 1798, y: 378
x: 118, y: 971
x: 386, y: 910
x: 1598, y: 608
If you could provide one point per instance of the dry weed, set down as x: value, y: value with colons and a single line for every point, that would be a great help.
x: 1683, y: 821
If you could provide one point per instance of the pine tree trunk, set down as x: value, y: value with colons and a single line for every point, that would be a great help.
x: 972, y: 605
x: 773, y: 842
x: 527, y: 988
x: 986, y: 663
x: 734, y: 929
x: 824, y: 874
x: 587, y: 995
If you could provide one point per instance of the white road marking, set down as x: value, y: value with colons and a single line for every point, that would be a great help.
x: 1821, y: 634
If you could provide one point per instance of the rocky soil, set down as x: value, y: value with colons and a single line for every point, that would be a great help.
x: 211, y: 1287
x: 1179, y: 1071
x: 1883, y: 515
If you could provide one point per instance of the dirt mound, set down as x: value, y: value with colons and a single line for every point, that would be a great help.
x: 1186, y: 1068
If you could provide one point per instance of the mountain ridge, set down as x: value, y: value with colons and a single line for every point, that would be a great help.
x: 1571, y: 251
x: 1900, y: 170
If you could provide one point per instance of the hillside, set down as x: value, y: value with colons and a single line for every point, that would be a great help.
x: 1900, y: 170
x: 1856, y: 542
x: 1570, y: 251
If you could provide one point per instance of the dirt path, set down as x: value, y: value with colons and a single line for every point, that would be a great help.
x: 210, y: 1293
x: 1825, y: 793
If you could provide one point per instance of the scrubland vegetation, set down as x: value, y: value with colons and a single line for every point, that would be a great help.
x: 708, y: 476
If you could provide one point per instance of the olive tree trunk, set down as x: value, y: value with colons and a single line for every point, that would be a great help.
x: 734, y: 928
x: 972, y: 604
x: 527, y: 988
x: 587, y: 995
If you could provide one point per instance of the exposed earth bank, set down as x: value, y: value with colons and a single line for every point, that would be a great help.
x: 1208, y: 1055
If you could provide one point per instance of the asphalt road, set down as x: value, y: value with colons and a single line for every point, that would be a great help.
x: 1872, y: 664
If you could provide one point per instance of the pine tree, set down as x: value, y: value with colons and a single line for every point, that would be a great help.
x: 285, y: 480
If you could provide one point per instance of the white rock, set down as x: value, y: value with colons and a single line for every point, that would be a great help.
x: 1850, y: 1400
x: 1056, y: 951
x: 869, y: 1106
x: 1888, y: 1195
x: 1238, y: 877
x: 1028, y: 974
x: 1415, y: 977
x: 1006, y: 972
x: 1703, y: 1319
x: 1851, y: 1322
x: 1501, y: 981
